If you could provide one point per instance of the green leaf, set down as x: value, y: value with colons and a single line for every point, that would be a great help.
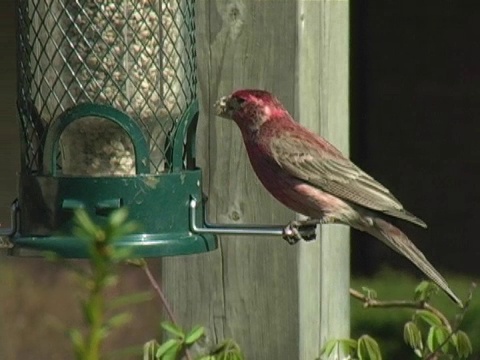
x: 77, y: 340
x: 196, y: 333
x: 413, y: 336
x: 121, y: 254
x: 229, y: 356
x: 118, y: 320
x: 347, y: 346
x: 110, y: 280
x: 463, y: 346
x: 418, y: 352
x: 339, y: 346
x: 370, y: 293
x: 368, y: 349
x: 207, y: 357
x: 52, y: 256
x: 428, y: 317
x: 425, y: 290
x: 166, y: 346
x: 173, y: 329
x: 454, y: 340
x: 173, y: 352
x: 329, y: 347
x: 436, y: 337
x: 129, y: 227
x: 118, y: 217
x: 86, y: 311
x: 85, y: 226
x: 228, y: 349
x: 150, y: 349
x: 140, y: 262
x: 103, y: 332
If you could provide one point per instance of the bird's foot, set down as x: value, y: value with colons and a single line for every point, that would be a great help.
x: 298, y: 230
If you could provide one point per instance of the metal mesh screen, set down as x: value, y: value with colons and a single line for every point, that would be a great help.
x: 136, y: 55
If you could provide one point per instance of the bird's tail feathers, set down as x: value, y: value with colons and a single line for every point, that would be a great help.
x: 398, y: 241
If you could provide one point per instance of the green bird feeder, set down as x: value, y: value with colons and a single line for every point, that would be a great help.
x: 108, y: 110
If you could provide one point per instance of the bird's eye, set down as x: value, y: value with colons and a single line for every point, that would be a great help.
x: 240, y: 101
x: 236, y: 103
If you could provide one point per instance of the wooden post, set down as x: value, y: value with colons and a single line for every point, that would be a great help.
x: 322, y: 91
x: 277, y: 301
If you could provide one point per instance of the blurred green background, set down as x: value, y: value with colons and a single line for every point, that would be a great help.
x: 386, y: 325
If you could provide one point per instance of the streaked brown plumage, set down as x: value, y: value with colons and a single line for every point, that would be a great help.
x: 310, y: 176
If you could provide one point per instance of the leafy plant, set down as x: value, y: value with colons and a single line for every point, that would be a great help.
x: 364, y: 348
x: 100, y: 275
x: 429, y: 333
x: 176, y: 346
x: 104, y: 256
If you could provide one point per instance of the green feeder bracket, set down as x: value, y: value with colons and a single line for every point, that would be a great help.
x: 292, y: 232
x: 228, y: 229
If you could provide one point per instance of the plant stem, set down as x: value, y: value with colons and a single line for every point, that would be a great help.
x: 94, y: 338
x: 419, y: 305
x: 95, y: 306
x: 160, y: 293
x: 163, y: 299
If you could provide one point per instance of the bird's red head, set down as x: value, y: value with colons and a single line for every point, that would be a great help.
x: 249, y: 108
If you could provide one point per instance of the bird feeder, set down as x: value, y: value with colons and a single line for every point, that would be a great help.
x: 108, y: 111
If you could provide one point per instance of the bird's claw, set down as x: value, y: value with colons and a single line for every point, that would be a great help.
x: 299, y: 230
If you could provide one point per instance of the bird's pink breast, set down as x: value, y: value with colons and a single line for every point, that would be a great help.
x: 290, y: 191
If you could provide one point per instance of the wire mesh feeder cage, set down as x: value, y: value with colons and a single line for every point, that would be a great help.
x: 108, y: 111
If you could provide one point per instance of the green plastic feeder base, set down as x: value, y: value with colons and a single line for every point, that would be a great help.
x: 158, y: 203
x: 141, y: 245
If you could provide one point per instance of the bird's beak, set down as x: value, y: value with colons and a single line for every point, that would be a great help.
x: 222, y: 109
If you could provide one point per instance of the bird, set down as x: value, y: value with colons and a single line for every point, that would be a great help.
x: 309, y: 175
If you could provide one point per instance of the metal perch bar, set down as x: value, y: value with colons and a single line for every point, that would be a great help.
x: 244, y: 229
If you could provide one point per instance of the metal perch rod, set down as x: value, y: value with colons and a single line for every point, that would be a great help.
x: 305, y: 227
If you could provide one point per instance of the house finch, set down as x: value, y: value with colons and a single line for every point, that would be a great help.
x: 310, y: 176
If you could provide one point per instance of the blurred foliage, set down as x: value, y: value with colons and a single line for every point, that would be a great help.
x: 365, y: 348
x: 386, y: 326
x: 178, y: 341
x: 391, y: 332
x: 104, y: 255
x: 100, y: 316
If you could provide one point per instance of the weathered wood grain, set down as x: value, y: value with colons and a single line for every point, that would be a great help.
x: 249, y: 288
x: 335, y: 253
x: 322, y: 98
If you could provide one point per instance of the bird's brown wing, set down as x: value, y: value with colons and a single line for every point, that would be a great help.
x: 336, y: 175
